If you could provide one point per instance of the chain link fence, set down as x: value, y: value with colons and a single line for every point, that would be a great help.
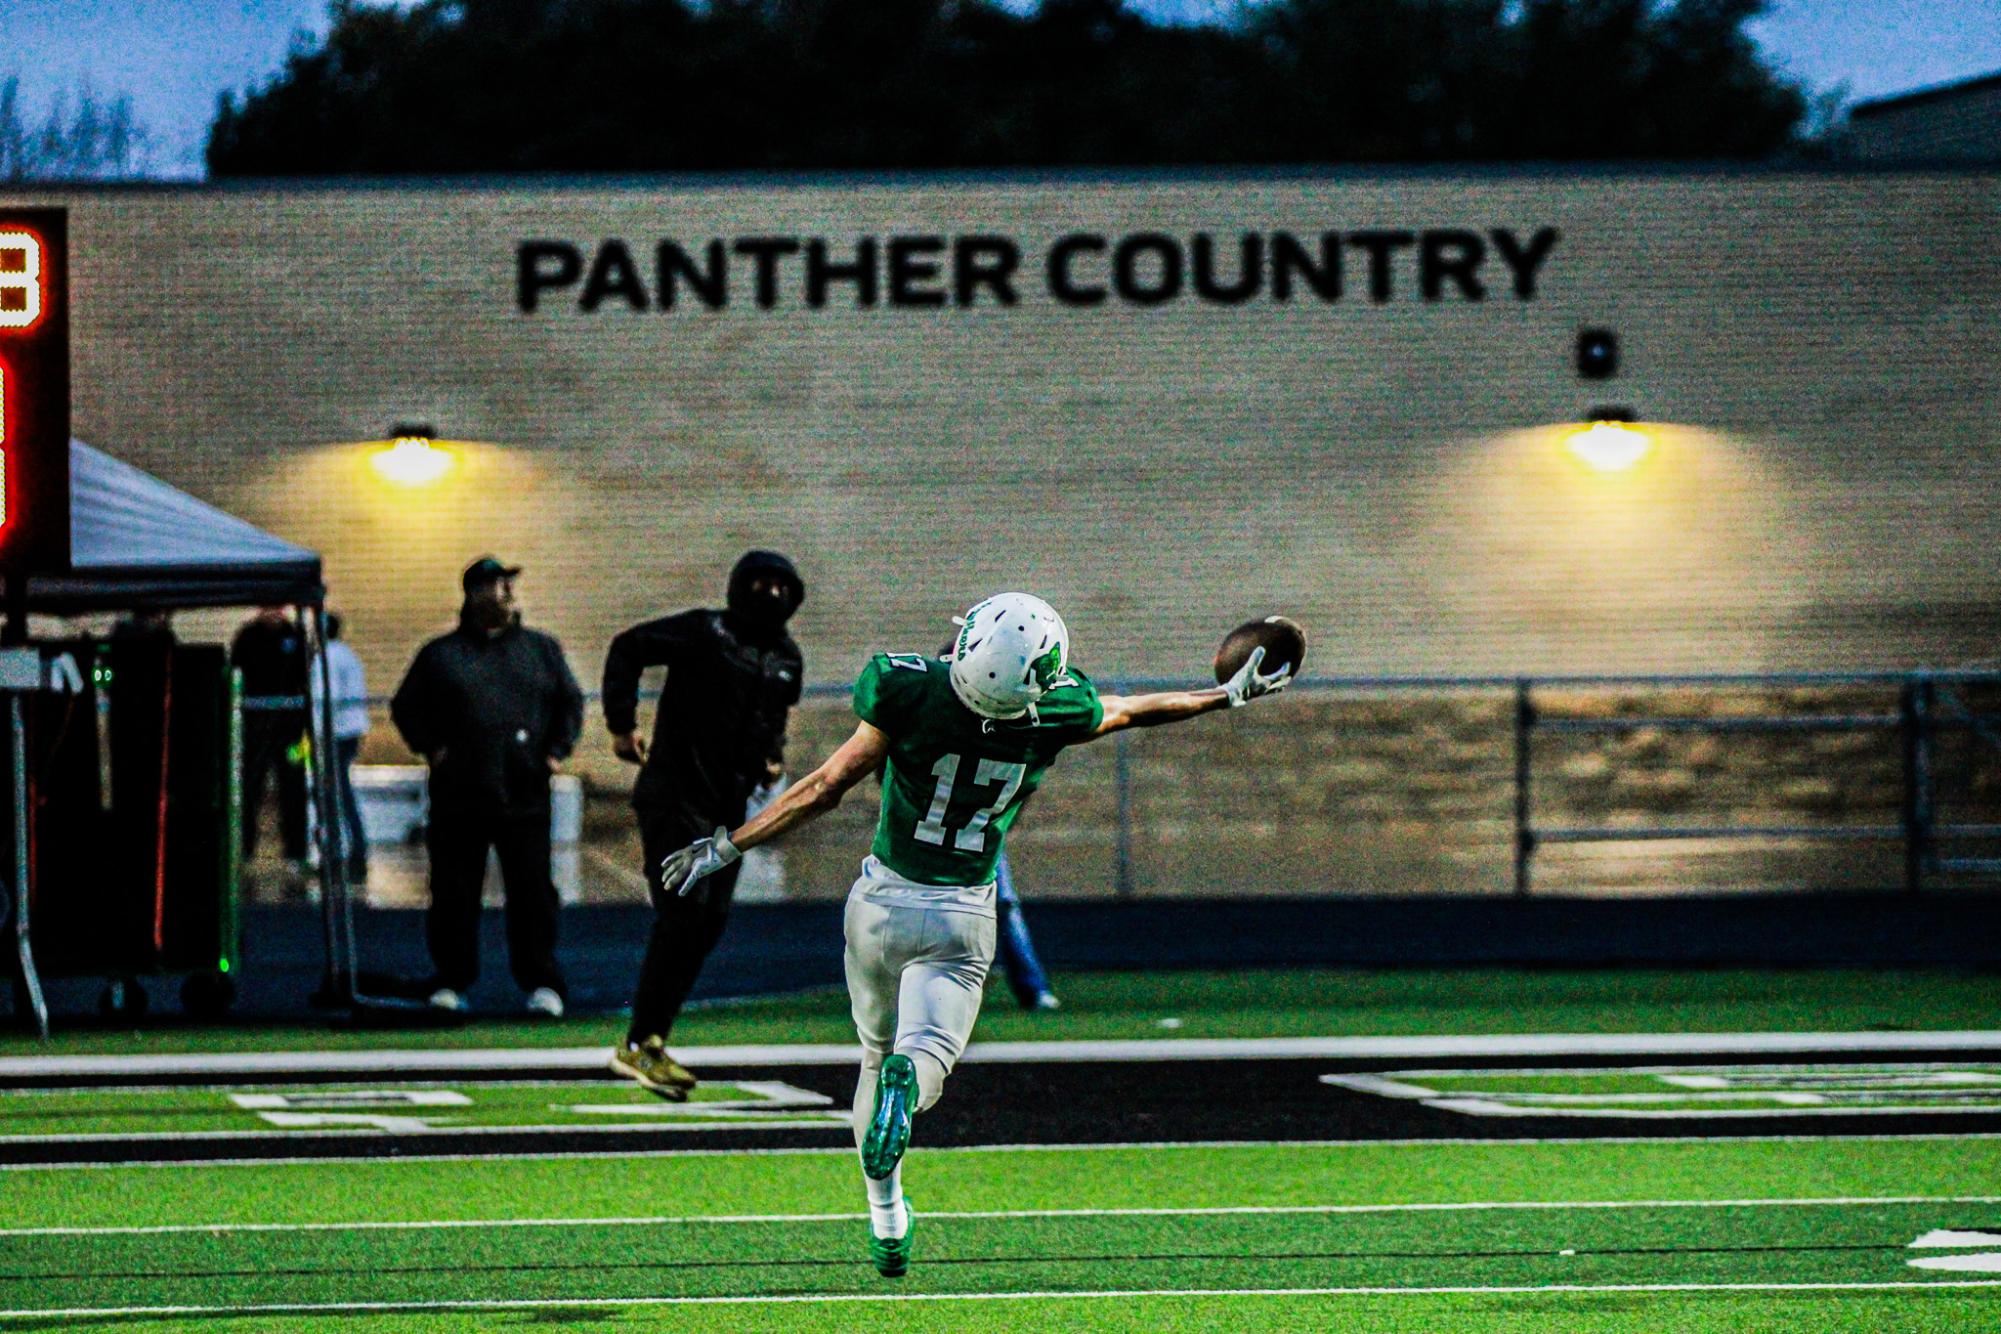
x: 1482, y: 786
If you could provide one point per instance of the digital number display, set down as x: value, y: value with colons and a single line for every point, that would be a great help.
x: 34, y: 396
x: 22, y: 294
x: 21, y: 301
x: 4, y: 506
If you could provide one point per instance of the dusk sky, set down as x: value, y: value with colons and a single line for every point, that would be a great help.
x: 173, y: 57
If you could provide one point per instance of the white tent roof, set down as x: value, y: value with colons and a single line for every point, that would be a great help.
x: 136, y: 541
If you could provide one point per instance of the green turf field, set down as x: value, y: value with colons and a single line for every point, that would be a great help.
x: 1781, y: 1234
x: 1789, y: 1232
x: 568, y: 1105
x: 1684, y: 1093
x: 1276, y: 1003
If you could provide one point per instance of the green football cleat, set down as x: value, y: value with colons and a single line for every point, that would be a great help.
x: 891, y: 1255
x: 888, y: 1132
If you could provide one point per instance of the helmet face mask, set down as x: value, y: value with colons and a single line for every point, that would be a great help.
x: 1011, y: 649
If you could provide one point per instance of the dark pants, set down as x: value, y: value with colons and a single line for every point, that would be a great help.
x: 267, y: 742
x: 353, y: 844
x: 458, y: 842
x: 685, y: 927
x: 1022, y: 969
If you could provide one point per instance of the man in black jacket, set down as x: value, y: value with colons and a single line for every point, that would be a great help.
x: 719, y: 731
x: 270, y: 651
x: 493, y: 708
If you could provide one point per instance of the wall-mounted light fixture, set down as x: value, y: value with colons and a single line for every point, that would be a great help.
x: 412, y: 456
x: 1611, y: 439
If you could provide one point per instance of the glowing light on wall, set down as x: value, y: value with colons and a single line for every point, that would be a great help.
x: 1612, y: 440
x: 1610, y: 446
x: 411, y: 460
x: 1694, y: 558
x: 20, y: 279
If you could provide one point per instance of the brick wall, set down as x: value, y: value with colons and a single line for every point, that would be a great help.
x: 1326, y: 791
x: 1823, y: 491
x: 1825, y: 344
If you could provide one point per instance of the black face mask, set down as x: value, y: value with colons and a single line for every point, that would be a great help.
x: 761, y: 614
x: 760, y: 617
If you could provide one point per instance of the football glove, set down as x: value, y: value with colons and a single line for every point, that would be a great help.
x: 1247, y: 684
x: 680, y: 870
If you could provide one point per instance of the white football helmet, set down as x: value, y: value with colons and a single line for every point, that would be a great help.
x: 1011, y: 648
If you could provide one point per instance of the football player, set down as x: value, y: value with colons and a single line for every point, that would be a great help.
x: 962, y: 744
x: 1013, y: 946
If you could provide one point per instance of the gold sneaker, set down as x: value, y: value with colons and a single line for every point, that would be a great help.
x: 649, y: 1066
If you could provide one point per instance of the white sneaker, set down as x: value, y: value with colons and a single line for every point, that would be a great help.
x: 444, y: 998
x: 544, y: 1000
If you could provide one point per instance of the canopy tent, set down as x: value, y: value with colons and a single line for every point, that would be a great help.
x: 135, y: 541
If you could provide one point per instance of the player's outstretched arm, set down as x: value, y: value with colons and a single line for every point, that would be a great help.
x: 820, y: 791
x: 1173, y: 706
x: 812, y: 796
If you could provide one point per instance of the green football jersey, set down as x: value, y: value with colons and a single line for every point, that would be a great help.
x: 955, y: 781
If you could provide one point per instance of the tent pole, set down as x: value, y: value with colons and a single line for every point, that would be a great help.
x: 336, y: 984
x: 31, y: 983
x: 15, y: 632
x: 336, y: 826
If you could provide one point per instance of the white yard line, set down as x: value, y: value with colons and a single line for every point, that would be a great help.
x: 831, y: 1121
x: 1791, y: 1071
x: 420, y: 1061
x: 1143, y: 1146
x: 1490, y: 1107
x: 1102, y: 1294
x: 1193, y: 1211
x: 1917, y: 1089
x: 594, y: 1086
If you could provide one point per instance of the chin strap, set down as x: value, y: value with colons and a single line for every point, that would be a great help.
x: 1031, y: 718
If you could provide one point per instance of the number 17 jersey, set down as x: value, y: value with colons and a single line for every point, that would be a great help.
x: 955, y: 781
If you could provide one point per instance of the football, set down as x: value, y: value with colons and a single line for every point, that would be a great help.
x: 1283, y: 640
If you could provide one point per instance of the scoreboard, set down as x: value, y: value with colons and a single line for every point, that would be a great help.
x: 34, y: 393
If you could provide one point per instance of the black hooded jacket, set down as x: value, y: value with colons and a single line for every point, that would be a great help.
x: 732, y: 676
x: 499, y: 708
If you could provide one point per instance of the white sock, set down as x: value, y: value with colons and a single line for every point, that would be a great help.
x: 886, y: 1215
x: 865, y: 1100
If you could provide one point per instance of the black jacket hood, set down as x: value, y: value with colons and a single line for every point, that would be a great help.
x: 752, y: 565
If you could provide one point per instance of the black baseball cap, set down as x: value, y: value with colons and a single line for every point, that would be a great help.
x: 486, y: 570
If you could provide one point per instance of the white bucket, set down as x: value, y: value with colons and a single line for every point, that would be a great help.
x: 395, y: 806
x: 394, y: 802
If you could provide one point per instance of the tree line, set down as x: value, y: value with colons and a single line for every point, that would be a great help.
x: 506, y: 86
x: 85, y: 137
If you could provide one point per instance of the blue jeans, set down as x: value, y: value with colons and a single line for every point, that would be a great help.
x: 349, y: 841
x: 1017, y: 952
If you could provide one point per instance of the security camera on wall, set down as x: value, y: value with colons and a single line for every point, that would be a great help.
x: 1597, y: 354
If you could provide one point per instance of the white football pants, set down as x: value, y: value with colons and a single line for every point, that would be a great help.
x: 915, y: 976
